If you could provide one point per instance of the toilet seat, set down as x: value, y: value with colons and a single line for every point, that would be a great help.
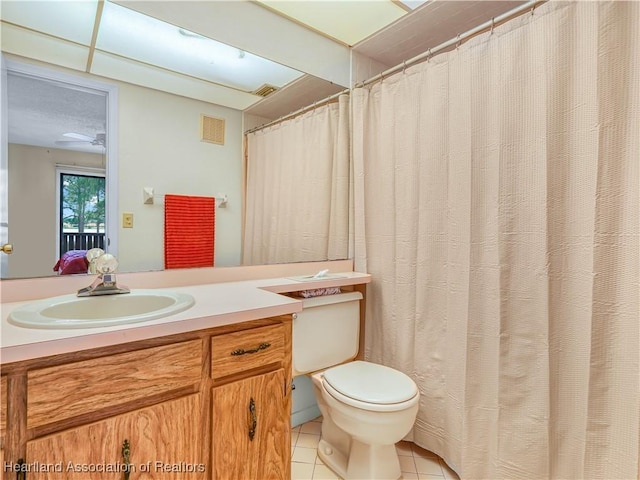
x: 370, y: 386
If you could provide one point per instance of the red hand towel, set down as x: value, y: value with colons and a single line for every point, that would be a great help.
x: 189, y: 231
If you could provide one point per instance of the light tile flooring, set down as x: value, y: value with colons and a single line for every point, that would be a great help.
x: 415, y: 462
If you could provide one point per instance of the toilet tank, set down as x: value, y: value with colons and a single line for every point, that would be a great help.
x: 326, y: 332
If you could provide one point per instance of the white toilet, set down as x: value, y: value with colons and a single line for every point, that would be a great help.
x: 366, y: 407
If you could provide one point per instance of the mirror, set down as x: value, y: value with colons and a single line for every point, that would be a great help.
x: 153, y: 139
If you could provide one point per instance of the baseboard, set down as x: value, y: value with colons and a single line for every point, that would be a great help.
x: 305, y: 415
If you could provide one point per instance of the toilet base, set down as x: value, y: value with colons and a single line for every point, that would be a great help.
x: 371, y: 462
x: 332, y: 458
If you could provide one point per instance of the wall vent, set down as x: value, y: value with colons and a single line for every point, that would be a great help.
x: 265, y: 90
x: 212, y: 130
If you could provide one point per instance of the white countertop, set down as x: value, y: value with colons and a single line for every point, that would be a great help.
x: 215, y: 305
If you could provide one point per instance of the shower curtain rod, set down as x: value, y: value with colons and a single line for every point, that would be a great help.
x: 319, y: 103
x: 488, y: 25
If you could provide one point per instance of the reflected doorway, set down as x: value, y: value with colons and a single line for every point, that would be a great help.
x: 56, y: 123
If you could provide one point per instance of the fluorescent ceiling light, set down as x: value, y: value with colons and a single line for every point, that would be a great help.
x: 149, y: 76
x: 30, y: 44
x: 151, y: 41
x: 70, y: 20
x: 413, y: 4
x: 348, y: 21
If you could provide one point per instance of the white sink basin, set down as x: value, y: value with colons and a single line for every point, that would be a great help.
x: 70, y: 311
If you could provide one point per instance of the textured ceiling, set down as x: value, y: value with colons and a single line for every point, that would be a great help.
x: 40, y: 112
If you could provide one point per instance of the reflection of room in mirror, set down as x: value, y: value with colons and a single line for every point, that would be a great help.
x: 157, y: 143
x: 56, y: 141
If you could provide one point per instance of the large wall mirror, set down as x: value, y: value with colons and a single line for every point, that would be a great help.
x: 167, y: 65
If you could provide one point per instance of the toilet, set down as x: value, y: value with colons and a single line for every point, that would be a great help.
x: 366, y: 408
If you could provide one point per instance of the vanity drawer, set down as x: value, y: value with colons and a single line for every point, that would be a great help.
x: 239, y: 351
x: 79, y: 388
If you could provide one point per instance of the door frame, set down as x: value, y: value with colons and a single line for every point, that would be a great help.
x: 71, y: 170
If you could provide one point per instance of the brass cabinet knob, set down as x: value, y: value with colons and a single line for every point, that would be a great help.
x: 7, y: 248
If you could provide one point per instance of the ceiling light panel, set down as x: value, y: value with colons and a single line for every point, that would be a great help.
x: 135, y: 36
x: 149, y: 76
x: 413, y: 4
x: 38, y: 46
x: 71, y: 20
x: 348, y: 21
x: 252, y: 27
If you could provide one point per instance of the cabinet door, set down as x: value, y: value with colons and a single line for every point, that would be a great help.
x: 165, y: 442
x: 251, y: 429
x: 3, y: 417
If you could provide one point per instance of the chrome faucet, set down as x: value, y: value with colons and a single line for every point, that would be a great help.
x: 105, y: 283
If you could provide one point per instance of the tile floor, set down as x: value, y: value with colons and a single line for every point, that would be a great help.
x: 415, y: 462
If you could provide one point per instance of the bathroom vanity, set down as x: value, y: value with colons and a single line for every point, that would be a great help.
x: 203, y: 394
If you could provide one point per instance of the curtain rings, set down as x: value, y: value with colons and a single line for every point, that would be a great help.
x: 493, y: 24
x: 404, y: 66
x: 458, y: 42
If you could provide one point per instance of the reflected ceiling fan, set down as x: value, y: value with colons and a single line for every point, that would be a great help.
x: 81, y: 139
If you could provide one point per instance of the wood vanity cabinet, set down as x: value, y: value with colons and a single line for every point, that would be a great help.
x: 251, y: 413
x: 3, y: 415
x: 163, y: 442
x: 178, y: 407
x: 250, y: 424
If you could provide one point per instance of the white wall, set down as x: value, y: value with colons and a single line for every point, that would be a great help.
x: 304, y: 406
x: 363, y: 68
x: 160, y: 147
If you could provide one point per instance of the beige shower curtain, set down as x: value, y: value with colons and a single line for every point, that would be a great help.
x: 297, y: 207
x: 496, y: 191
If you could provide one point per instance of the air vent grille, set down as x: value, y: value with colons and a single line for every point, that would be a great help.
x: 265, y: 90
x: 212, y: 130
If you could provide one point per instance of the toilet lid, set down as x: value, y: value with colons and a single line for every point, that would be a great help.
x: 371, y: 383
